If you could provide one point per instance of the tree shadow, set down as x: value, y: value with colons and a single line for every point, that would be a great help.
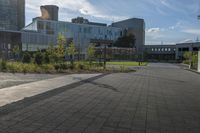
x: 102, y: 85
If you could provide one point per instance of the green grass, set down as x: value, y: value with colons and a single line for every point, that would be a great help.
x: 127, y: 63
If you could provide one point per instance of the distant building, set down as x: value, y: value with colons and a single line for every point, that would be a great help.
x: 81, y: 20
x: 42, y: 32
x: 181, y: 48
x: 170, y: 52
x: 136, y: 27
x: 160, y: 53
x: 12, y: 20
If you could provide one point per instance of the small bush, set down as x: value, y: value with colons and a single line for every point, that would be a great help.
x: 26, y: 58
x: 80, y: 66
x: 64, y: 66
x: 46, y: 58
x: 48, y: 68
x: 3, y: 65
x: 38, y: 58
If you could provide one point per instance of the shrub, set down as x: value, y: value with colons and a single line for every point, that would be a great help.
x: 57, y: 67
x: 38, y: 58
x: 46, y: 58
x: 61, y: 66
x: 80, y: 66
x: 3, y: 65
x: 26, y: 57
x: 49, y: 68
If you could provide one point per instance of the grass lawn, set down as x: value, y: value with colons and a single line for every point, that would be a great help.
x: 127, y: 63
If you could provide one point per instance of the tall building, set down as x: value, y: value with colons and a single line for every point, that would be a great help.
x: 12, y: 14
x: 12, y: 20
x: 136, y: 27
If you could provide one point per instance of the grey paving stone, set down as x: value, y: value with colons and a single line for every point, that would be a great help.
x: 157, y: 98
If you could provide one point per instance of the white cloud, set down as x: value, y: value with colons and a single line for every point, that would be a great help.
x: 186, y: 41
x: 192, y: 31
x: 83, y: 7
x: 153, y: 30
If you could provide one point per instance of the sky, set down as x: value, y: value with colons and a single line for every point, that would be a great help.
x: 167, y: 21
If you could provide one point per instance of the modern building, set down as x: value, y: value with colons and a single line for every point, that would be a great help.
x: 43, y: 32
x: 12, y: 20
x: 160, y: 52
x: 136, y: 27
x: 181, y: 48
x: 170, y: 52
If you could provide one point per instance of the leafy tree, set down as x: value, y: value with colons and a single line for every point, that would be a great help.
x: 127, y: 41
x: 71, y: 51
x: 90, y: 53
x: 188, y: 58
x: 51, y: 53
x: 195, y: 58
x: 60, y: 50
x: 16, y: 51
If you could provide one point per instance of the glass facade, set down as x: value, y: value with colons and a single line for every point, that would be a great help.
x: 12, y: 14
x: 40, y: 33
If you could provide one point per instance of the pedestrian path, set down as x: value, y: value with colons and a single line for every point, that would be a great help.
x: 16, y: 93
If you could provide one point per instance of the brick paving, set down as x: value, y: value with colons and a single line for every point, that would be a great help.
x: 155, y: 99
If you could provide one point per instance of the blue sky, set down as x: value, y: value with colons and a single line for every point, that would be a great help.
x: 167, y: 21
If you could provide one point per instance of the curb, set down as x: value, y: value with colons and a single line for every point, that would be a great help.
x: 192, y: 71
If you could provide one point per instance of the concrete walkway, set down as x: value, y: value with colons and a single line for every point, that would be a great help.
x: 16, y: 93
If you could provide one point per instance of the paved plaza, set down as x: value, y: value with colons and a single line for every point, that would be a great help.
x: 159, y: 98
x: 10, y: 79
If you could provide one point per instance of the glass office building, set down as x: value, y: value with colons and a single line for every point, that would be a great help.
x: 41, y: 33
x: 12, y: 20
x: 12, y: 14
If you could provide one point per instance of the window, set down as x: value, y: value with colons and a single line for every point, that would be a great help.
x: 152, y: 49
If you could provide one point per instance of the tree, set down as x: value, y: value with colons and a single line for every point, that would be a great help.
x: 188, y: 58
x: 60, y: 50
x: 71, y: 51
x: 16, y: 51
x: 90, y: 53
x: 51, y: 53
